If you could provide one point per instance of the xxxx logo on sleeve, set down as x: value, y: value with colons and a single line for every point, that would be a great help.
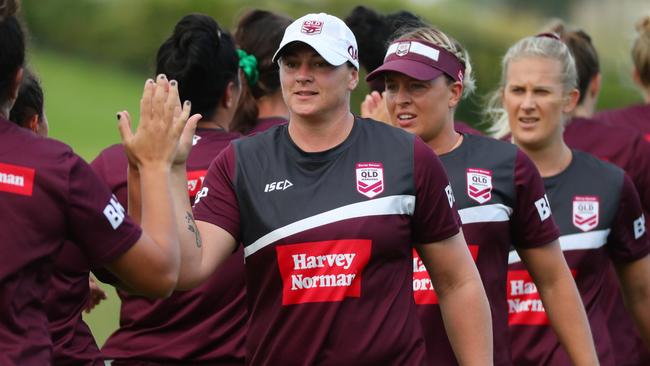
x: 16, y: 179
x: 585, y: 212
x: 370, y: 179
x: 194, y: 182
x: 479, y: 185
x: 524, y: 303
x: 423, y: 292
x: 324, y: 271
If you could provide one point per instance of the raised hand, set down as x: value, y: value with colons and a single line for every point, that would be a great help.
x: 162, y: 123
x: 374, y: 106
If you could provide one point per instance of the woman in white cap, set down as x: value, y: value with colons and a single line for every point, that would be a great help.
x: 327, y: 208
x: 499, y: 194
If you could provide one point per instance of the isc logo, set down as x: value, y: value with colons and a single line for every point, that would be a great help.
x: 278, y: 186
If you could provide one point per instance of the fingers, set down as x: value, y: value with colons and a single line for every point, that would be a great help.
x: 160, y: 98
x: 368, y: 106
x: 146, y: 101
x: 124, y: 126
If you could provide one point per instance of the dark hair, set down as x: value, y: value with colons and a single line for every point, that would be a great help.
x: 374, y: 31
x: 583, y: 51
x: 258, y: 33
x: 202, y: 58
x: 29, y: 101
x: 12, y: 46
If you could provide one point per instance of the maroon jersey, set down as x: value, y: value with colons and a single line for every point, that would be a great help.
x: 600, y: 218
x: 50, y: 195
x: 501, y: 202
x: 206, y: 325
x: 264, y: 124
x: 626, y: 148
x: 636, y: 117
x: 68, y: 293
x: 327, y: 240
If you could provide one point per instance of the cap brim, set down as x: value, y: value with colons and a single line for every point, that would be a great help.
x: 325, y: 52
x: 414, y: 69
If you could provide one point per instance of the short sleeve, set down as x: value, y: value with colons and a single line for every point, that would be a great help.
x: 216, y: 202
x: 638, y: 168
x: 435, y: 217
x: 532, y: 220
x: 628, y: 240
x: 96, y: 220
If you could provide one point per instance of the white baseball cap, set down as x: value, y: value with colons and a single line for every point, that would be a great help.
x: 326, y: 34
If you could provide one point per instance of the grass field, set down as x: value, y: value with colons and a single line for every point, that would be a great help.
x: 81, y: 99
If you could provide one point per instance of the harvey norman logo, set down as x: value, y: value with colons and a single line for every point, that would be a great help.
x: 195, y: 181
x: 423, y: 292
x: 326, y: 271
x: 524, y: 303
x: 16, y: 179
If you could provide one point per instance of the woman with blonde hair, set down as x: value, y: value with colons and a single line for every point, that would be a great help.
x: 594, y: 203
x: 498, y: 191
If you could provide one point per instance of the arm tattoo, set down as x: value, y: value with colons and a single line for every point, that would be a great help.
x: 191, y: 226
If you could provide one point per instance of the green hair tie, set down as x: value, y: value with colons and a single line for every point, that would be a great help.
x: 248, y: 63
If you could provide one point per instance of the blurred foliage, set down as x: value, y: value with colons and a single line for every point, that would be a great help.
x: 127, y: 33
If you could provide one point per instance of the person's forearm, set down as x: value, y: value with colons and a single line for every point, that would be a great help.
x: 466, y: 313
x: 158, y: 220
x: 567, y: 316
x: 190, y: 238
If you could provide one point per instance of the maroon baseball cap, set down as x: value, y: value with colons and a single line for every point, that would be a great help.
x: 420, y: 60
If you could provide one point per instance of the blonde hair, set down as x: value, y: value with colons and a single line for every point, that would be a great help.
x: 440, y: 39
x: 536, y: 46
x: 641, y: 50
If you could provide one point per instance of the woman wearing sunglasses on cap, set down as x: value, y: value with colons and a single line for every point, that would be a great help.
x: 327, y: 208
x: 594, y: 203
x: 499, y: 194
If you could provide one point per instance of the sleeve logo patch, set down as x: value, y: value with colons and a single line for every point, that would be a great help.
x: 479, y: 184
x: 450, y: 195
x: 114, y: 212
x: 325, y: 271
x: 543, y: 208
x: 639, y: 227
x: 370, y: 179
x: 16, y: 179
x: 585, y: 212
x: 202, y: 193
x: 423, y: 291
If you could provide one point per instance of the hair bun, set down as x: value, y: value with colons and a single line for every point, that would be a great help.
x: 9, y: 8
x: 643, y: 26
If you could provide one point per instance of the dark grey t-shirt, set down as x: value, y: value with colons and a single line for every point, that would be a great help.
x: 327, y: 239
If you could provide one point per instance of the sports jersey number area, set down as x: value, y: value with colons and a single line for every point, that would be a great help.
x: 324, y: 271
x: 423, y: 292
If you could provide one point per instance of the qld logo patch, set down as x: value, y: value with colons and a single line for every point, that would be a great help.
x: 324, y: 271
x: 370, y: 179
x: 479, y: 185
x: 16, y: 179
x: 311, y: 27
x: 403, y: 48
x: 585, y: 212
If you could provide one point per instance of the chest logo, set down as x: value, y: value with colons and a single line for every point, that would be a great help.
x: 479, y: 185
x: 585, y: 212
x: 370, y: 179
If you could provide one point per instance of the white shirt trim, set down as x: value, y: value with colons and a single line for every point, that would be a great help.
x: 487, y: 213
x: 579, y: 241
x: 391, y: 205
